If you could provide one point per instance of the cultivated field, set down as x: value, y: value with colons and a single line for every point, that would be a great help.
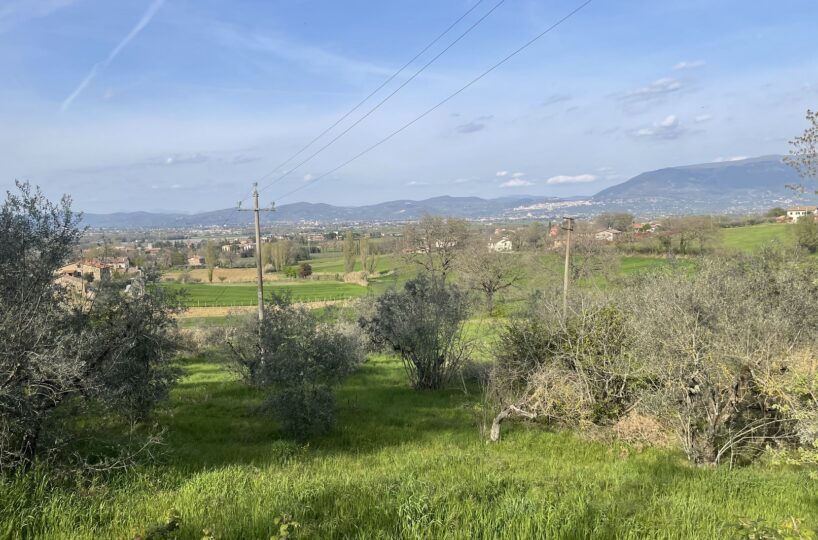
x: 212, y: 295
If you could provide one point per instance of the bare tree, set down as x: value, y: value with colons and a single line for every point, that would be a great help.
x: 349, y: 252
x: 434, y: 243
x: 211, y: 259
x: 367, y: 256
x: 804, y: 153
x: 490, y: 272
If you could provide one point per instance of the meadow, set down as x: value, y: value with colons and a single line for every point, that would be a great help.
x: 753, y: 237
x: 399, y: 464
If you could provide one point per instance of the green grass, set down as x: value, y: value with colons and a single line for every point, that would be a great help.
x: 335, y: 265
x: 204, y: 294
x: 400, y: 464
x: 754, y: 237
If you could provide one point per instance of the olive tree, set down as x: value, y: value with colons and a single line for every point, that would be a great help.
x: 299, y: 360
x: 425, y: 324
x: 65, y: 354
x: 710, y: 343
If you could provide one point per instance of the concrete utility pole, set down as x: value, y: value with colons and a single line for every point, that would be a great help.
x: 568, y: 226
x: 259, y: 264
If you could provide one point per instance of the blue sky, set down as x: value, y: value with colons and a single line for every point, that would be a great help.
x: 181, y: 104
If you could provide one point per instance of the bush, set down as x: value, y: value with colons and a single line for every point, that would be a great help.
x: 304, y: 270
x: 730, y: 353
x: 424, y: 324
x: 299, y: 360
x: 571, y: 373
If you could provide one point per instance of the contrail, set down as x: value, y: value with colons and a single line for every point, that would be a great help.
x: 143, y: 22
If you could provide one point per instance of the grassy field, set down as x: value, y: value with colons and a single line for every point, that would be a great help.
x: 400, y: 464
x: 754, y: 237
x: 335, y: 265
x: 203, y: 294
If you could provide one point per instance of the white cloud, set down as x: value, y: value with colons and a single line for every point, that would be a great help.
x: 725, y: 159
x: 140, y: 25
x: 518, y: 175
x: 688, y: 64
x: 307, y: 177
x: 667, y: 129
x: 657, y: 88
x: 702, y: 118
x: 502, y: 173
x: 516, y: 182
x: 566, y: 179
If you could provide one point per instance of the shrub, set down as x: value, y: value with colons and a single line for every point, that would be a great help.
x: 424, y: 324
x: 304, y: 270
x: 730, y: 353
x: 571, y: 373
x: 299, y: 360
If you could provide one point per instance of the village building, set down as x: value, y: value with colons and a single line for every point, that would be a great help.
x: 502, y: 245
x: 117, y: 264
x: 608, y: 235
x: 196, y: 261
x: 796, y: 213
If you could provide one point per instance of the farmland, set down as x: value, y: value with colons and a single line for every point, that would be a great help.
x: 212, y: 295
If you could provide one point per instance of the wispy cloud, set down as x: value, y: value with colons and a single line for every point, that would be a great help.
x: 470, y: 127
x: 14, y: 12
x: 553, y: 99
x: 502, y: 173
x: 99, y: 66
x: 658, y: 88
x: 577, y: 179
x: 688, y: 64
x: 309, y: 56
x: 727, y: 159
x: 667, y: 129
x: 516, y: 182
x: 702, y: 118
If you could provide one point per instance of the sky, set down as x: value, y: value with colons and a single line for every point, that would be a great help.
x: 180, y: 105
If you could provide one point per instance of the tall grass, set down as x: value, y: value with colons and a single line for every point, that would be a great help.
x: 400, y: 464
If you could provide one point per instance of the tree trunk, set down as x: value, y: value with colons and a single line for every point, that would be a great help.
x: 509, y: 411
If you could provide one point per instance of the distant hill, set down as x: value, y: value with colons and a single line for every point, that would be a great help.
x: 391, y: 211
x: 730, y: 187
x: 724, y: 187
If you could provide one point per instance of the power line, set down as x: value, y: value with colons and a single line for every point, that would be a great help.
x: 444, y: 101
x: 375, y: 91
x: 388, y: 97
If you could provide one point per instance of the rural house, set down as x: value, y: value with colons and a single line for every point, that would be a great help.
x: 798, y: 212
x: 196, y: 260
x: 608, y: 235
x: 502, y: 245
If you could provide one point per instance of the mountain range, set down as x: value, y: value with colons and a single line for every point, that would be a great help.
x: 729, y: 187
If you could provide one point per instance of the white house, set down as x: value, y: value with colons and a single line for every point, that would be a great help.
x: 798, y: 212
x: 504, y: 244
x: 608, y: 235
